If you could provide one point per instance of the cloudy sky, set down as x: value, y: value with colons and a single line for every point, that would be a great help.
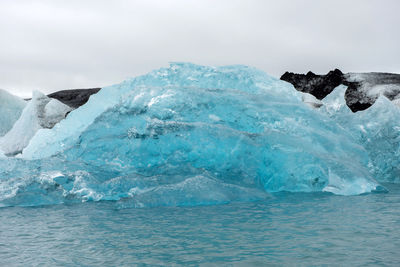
x: 51, y: 45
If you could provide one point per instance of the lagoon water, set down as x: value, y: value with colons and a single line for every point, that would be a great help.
x: 302, y: 229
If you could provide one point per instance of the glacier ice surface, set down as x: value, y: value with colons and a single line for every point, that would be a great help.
x: 188, y: 135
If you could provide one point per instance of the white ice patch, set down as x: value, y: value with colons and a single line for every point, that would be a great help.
x: 340, y: 186
x: 311, y: 100
x: 214, y: 117
x: 10, y: 109
x: 54, y: 112
x: 396, y: 102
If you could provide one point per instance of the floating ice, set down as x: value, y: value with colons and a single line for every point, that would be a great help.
x: 40, y: 112
x: 10, y: 109
x: 188, y: 135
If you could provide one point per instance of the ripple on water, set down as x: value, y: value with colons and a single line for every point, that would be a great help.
x: 288, y: 229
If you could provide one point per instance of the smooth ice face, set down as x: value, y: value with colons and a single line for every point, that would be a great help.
x: 54, y: 111
x: 40, y: 112
x: 10, y: 109
x: 50, y: 142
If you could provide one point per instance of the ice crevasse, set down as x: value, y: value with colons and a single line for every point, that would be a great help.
x: 189, y: 135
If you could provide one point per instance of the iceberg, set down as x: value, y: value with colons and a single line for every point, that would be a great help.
x: 10, y: 109
x: 40, y: 112
x: 187, y: 135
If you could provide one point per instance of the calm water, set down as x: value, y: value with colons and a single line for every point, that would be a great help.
x: 288, y: 229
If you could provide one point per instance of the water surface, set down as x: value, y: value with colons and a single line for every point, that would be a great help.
x: 303, y: 229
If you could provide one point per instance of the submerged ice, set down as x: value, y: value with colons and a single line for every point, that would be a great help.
x: 189, y: 135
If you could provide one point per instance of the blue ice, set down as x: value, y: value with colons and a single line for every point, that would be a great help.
x: 189, y: 135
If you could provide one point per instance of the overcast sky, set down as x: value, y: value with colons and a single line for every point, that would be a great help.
x: 51, y: 45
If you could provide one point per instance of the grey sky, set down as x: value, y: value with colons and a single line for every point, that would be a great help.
x: 51, y: 45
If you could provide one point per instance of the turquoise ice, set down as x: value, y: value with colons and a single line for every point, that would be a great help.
x: 188, y: 135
